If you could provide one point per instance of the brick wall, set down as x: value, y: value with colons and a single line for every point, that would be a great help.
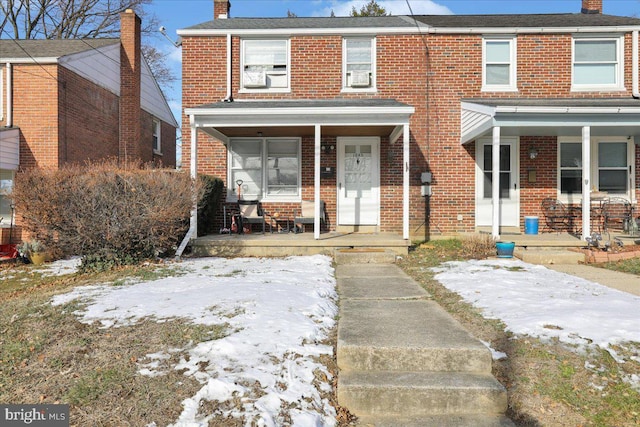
x: 434, y: 86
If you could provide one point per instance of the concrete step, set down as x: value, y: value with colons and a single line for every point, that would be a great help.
x: 364, y: 256
x: 395, y: 394
x: 548, y: 256
x: 406, y: 335
x: 438, y: 421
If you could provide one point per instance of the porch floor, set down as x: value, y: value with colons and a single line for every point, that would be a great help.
x: 288, y: 244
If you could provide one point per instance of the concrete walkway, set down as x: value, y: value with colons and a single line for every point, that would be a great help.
x: 613, y: 279
x: 404, y: 361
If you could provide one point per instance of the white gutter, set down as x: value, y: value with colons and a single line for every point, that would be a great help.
x: 402, y: 30
x: 300, y: 110
x: 634, y: 64
x: 193, y: 222
x: 229, y: 67
x: 9, y: 74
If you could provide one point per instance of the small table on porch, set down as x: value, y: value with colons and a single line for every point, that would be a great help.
x: 597, y: 208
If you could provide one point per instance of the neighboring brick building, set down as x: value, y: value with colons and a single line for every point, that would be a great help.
x: 68, y: 101
x: 354, y: 111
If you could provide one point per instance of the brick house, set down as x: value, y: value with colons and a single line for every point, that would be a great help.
x: 68, y: 101
x: 361, y: 112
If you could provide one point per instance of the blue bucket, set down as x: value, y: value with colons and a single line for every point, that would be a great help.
x: 505, y: 249
x: 530, y: 225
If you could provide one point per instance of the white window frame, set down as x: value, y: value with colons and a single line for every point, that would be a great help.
x: 595, y: 168
x: 267, y: 88
x: 263, y: 195
x: 512, y: 86
x: 619, y: 73
x: 5, y: 220
x: 346, y: 87
x: 157, y: 136
x: 2, y: 71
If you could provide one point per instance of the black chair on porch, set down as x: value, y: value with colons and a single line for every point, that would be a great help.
x: 558, y: 217
x: 251, y: 212
x: 617, y: 214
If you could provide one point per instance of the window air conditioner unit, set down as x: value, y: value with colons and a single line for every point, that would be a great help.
x: 360, y: 78
x: 255, y: 78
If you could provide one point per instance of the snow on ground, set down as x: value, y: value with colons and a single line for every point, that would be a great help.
x: 533, y: 300
x: 279, y: 312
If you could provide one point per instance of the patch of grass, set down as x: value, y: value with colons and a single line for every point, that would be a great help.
x: 94, y: 385
x: 631, y: 266
x: 547, y: 382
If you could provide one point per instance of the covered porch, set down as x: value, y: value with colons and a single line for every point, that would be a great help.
x: 578, y: 151
x: 282, y: 152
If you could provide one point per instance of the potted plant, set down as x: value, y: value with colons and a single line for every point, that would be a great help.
x: 34, y: 250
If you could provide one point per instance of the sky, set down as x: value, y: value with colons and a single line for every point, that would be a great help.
x: 280, y: 311
x: 178, y: 14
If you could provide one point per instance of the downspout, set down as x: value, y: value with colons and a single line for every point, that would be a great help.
x: 193, y: 222
x: 634, y: 65
x: 9, y: 122
x: 229, y: 97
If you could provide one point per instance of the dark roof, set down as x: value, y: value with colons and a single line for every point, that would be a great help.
x: 303, y: 23
x: 526, y: 21
x: 436, y: 21
x: 556, y: 102
x: 309, y: 103
x: 50, y: 48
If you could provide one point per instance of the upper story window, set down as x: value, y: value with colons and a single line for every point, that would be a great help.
x: 499, y: 64
x: 266, y: 168
x: 157, y: 141
x: 265, y: 65
x: 358, y: 63
x: 597, y: 63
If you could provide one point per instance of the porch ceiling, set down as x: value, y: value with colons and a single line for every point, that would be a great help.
x: 549, y: 117
x: 344, y: 117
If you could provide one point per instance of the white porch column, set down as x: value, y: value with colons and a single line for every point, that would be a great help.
x: 405, y: 180
x: 586, y: 182
x: 495, y: 183
x: 194, y: 175
x: 316, y: 184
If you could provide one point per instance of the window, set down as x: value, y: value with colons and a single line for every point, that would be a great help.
x: 358, y: 63
x: 267, y: 168
x: 597, y: 63
x: 611, y: 166
x: 499, y: 67
x: 6, y: 185
x: 157, y: 141
x: 265, y: 65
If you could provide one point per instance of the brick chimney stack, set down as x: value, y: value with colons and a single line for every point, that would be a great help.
x: 130, y: 146
x: 592, y: 6
x: 221, y: 9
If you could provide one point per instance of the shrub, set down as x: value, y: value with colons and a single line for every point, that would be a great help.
x: 109, y: 215
x: 479, y: 246
x: 209, y: 203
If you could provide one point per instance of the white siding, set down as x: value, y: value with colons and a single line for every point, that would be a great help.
x: 153, y: 101
x: 10, y: 149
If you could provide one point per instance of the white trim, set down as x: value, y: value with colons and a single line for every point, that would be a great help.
x: 306, y: 111
x: 372, y: 84
x: 406, y: 179
x: 586, y: 176
x: 513, y: 64
x: 619, y: 84
x: 1, y: 94
x: 267, y: 89
x: 423, y: 28
x: 316, y: 181
x: 495, y: 183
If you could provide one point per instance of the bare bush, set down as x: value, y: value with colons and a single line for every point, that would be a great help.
x: 106, y: 214
x: 479, y: 246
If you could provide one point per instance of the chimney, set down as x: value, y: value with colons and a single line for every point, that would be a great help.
x: 130, y: 145
x: 591, y: 6
x: 221, y: 9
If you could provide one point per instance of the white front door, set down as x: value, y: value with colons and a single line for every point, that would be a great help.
x: 509, y: 204
x: 358, y: 180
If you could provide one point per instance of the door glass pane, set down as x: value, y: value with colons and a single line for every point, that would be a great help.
x: 358, y: 162
x: 612, y: 154
x: 505, y: 171
x: 505, y: 158
x: 246, y: 165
